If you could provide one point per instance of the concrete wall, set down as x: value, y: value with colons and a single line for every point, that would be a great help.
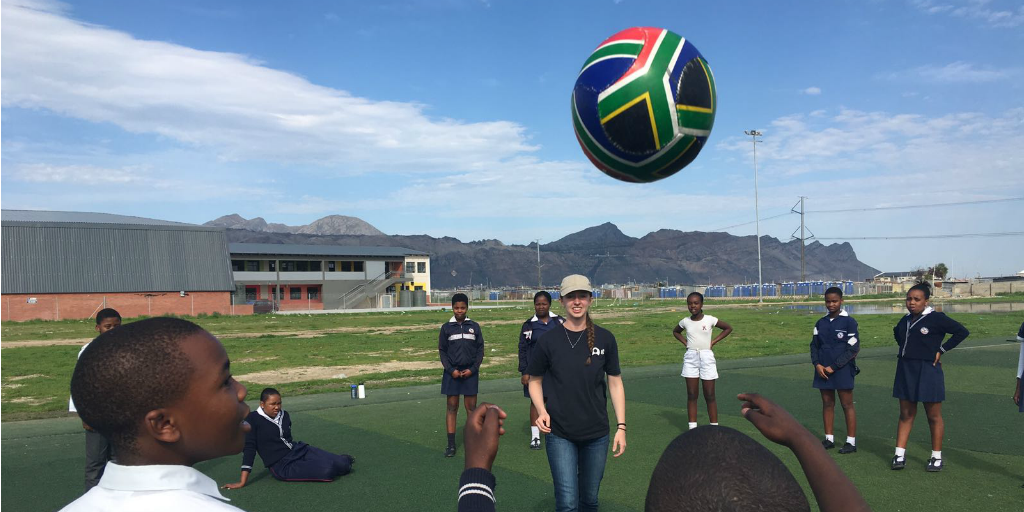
x: 63, y: 306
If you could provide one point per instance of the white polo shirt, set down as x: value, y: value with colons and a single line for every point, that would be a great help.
x: 152, y: 489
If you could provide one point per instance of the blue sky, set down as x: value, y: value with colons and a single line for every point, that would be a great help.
x: 451, y: 117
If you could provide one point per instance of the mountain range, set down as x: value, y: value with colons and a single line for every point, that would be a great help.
x: 603, y: 253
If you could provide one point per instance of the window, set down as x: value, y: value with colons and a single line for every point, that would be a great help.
x: 313, y: 293
x: 296, y: 293
x: 330, y: 266
x: 272, y: 265
x: 237, y: 265
x: 421, y: 267
x: 418, y: 287
x: 314, y: 266
x: 410, y: 267
x: 302, y: 266
x: 357, y: 266
x: 346, y: 266
x: 252, y: 265
x: 250, y: 293
x: 287, y: 266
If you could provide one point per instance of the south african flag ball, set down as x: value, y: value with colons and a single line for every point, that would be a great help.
x: 644, y: 104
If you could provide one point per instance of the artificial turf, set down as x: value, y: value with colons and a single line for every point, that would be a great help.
x: 397, y: 436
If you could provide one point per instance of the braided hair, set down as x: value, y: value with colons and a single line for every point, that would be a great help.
x: 590, y: 338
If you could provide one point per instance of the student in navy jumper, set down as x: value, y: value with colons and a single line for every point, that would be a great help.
x: 543, y: 320
x: 460, y: 344
x: 287, y: 460
x: 834, y: 346
x: 919, y: 376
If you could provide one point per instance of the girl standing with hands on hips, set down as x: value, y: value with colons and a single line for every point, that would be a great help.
x: 582, y: 361
x: 919, y: 376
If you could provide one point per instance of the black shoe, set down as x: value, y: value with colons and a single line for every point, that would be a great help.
x: 450, y: 451
x: 933, y: 467
x: 535, y: 444
x: 898, y: 463
x: 827, y: 444
x: 848, y: 448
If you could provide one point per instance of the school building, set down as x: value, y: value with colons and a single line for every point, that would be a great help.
x: 69, y: 265
x: 64, y: 265
x: 311, y: 277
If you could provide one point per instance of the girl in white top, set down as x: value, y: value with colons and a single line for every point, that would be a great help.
x: 699, y: 360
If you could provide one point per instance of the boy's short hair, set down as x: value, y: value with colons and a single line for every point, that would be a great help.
x: 267, y: 393
x: 127, y: 372
x: 106, y: 313
x: 698, y: 294
x: 835, y: 290
x: 540, y: 294
x: 719, y: 468
x: 460, y: 297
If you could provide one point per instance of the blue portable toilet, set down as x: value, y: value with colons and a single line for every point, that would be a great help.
x: 788, y: 288
x: 848, y: 288
x: 555, y: 294
x: 494, y: 295
x: 597, y: 294
x: 803, y: 288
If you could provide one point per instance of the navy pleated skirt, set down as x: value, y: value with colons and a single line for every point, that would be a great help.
x: 918, y: 381
x: 462, y: 386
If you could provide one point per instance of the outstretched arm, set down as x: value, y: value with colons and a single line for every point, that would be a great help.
x: 476, y: 486
x: 832, y: 489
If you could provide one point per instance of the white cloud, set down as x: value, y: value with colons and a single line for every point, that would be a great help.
x: 811, y: 91
x: 1009, y: 16
x: 228, y: 103
x: 954, y: 72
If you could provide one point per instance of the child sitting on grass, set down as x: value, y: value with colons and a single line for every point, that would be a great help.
x: 161, y: 391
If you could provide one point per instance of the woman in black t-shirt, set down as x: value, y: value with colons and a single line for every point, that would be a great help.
x: 575, y: 417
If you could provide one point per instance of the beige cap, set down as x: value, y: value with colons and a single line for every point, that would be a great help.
x: 575, y: 283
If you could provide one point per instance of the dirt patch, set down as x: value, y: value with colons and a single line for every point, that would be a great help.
x: 254, y: 359
x: 44, y: 343
x: 23, y: 377
x: 30, y: 400
x: 304, y: 373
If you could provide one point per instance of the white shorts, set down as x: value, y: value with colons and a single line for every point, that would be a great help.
x: 699, y: 363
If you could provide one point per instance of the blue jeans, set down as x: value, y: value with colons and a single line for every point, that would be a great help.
x: 577, y: 469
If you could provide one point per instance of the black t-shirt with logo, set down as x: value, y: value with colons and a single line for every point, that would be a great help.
x: 577, y: 399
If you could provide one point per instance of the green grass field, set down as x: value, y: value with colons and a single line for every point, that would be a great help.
x: 397, y: 436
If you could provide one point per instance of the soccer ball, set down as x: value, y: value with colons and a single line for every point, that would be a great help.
x: 643, y: 104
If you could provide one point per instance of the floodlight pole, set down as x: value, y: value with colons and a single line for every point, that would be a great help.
x: 754, y: 134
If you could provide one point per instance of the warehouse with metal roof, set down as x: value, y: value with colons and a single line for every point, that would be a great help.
x: 59, y: 265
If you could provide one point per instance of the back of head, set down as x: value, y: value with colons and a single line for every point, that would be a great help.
x: 127, y: 372
x: 719, y: 468
x: 834, y: 290
x: 924, y: 288
x: 460, y: 297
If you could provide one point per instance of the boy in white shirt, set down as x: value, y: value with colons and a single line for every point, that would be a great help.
x: 161, y: 391
x: 699, y: 361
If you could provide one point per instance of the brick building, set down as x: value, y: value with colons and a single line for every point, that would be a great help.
x: 61, y: 265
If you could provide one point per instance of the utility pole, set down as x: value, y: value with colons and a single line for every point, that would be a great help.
x: 803, y: 265
x: 754, y: 134
x: 539, y: 284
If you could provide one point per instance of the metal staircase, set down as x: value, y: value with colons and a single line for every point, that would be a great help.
x: 359, y: 296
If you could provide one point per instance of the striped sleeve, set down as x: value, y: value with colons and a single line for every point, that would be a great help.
x: 476, y: 491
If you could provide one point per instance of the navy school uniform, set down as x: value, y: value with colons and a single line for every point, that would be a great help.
x: 530, y: 333
x: 288, y: 460
x: 461, y: 347
x: 919, y: 340
x: 1020, y: 366
x: 835, y: 344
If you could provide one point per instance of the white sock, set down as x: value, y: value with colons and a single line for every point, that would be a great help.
x: 715, y: 424
x: 851, y: 440
x: 534, y: 433
x: 937, y: 455
x: 901, y: 452
x: 693, y: 425
x: 830, y: 438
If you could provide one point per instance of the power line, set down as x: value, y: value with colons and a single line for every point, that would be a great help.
x: 752, y: 222
x: 909, y: 206
x: 915, y: 237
